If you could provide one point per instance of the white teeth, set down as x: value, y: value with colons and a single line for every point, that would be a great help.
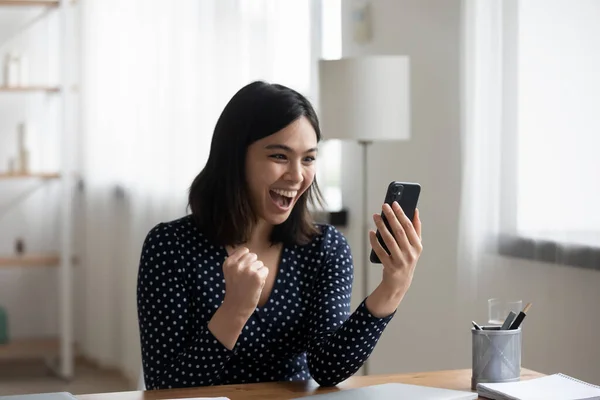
x: 286, y: 193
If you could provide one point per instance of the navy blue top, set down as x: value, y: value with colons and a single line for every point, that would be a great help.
x: 304, y: 330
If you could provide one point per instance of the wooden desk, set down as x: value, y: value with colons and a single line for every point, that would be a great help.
x: 455, y: 379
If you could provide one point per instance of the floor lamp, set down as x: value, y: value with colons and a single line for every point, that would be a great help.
x: 365, y: 99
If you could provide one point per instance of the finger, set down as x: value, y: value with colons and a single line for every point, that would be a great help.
x: 262, y: 272
x: 233, y: 259
x: 387, y: 237
x: 377, y: 248
x: 417, y: 223
x: 237, y: 254
x: 411, y: 234
x: 397, y: 228
x: 247, y: 259
x: 256, y: 265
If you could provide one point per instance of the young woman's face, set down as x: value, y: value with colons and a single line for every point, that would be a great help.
x: 279, y: 169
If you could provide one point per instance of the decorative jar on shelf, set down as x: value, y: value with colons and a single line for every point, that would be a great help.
x: 3, y: 326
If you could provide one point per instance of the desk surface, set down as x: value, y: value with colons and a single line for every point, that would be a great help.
x: 455, y: 379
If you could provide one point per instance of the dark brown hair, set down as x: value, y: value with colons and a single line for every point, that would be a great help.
x: 219, y: 196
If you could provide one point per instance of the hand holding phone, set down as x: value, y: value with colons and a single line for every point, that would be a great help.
x: 406, y: 195
x: 397, y: 245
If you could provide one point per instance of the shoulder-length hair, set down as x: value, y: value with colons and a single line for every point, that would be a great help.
x: 219, y: 198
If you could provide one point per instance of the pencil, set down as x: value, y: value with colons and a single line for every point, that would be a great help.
x: 517, y: 322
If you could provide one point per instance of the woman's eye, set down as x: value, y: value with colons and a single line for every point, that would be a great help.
x: 278, y: 156
x: 309, y: 159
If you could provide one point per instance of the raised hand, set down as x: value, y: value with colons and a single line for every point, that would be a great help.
x: 245, y: 277
x: 405, y: 247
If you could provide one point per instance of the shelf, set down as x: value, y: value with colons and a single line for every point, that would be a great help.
x: 34, y: 260
x: 42, y: 23
x: 30, y: 349
x: 40, y: 175
x: 30, y: 3
x: 24, y: 89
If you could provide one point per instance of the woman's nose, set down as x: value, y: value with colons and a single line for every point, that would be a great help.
x: 294, y: 173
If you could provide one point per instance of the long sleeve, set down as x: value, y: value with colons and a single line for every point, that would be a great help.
x: 171, y: 355
x: 339, y: 343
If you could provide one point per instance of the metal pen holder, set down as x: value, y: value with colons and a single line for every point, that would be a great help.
x: 496, y: 355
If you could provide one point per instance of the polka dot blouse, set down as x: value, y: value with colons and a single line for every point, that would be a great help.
x: 305, y: 330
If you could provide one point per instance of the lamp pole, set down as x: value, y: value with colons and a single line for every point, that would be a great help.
x: 365, y: 227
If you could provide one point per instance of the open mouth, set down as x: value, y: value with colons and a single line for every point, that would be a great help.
x: 283, y: 198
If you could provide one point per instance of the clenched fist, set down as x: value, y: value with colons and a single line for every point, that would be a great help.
x: 245, y: 277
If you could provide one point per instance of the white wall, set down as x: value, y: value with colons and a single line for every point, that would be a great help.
x: 430, y: 331
x: 429, y: 33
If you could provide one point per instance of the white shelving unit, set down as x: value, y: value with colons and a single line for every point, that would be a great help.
x: 57, y: 351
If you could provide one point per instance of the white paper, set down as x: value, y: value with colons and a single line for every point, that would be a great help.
x: 552, y: 387
x: 203, y: 398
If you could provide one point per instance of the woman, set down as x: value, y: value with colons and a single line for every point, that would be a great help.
x: 247, y: 288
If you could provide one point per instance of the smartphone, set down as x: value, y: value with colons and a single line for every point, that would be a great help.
x: 407, y: 195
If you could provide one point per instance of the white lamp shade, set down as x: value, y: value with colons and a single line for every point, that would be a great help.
x: 365, y: 98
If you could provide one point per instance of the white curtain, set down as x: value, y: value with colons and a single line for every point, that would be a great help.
x: 482, y: 132
x: 155, y: 76
x: 529, y: 220
x: 530, y: 138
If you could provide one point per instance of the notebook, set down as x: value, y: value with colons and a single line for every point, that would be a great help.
x: 552, y: 387
x: 69, y: 396
x: 41, y: 396
x: 395, y: 391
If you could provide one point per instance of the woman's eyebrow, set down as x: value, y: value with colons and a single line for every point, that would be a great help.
x: 286, y: 148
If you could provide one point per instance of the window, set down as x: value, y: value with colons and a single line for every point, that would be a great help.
x: 329, y: 175
x: 558, y: 123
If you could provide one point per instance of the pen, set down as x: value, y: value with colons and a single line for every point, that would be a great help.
x: 517, y: 322
x: 509, y: 320
x: 477, y: 327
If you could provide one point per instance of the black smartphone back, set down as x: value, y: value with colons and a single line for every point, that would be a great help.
x: 407, y: 195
